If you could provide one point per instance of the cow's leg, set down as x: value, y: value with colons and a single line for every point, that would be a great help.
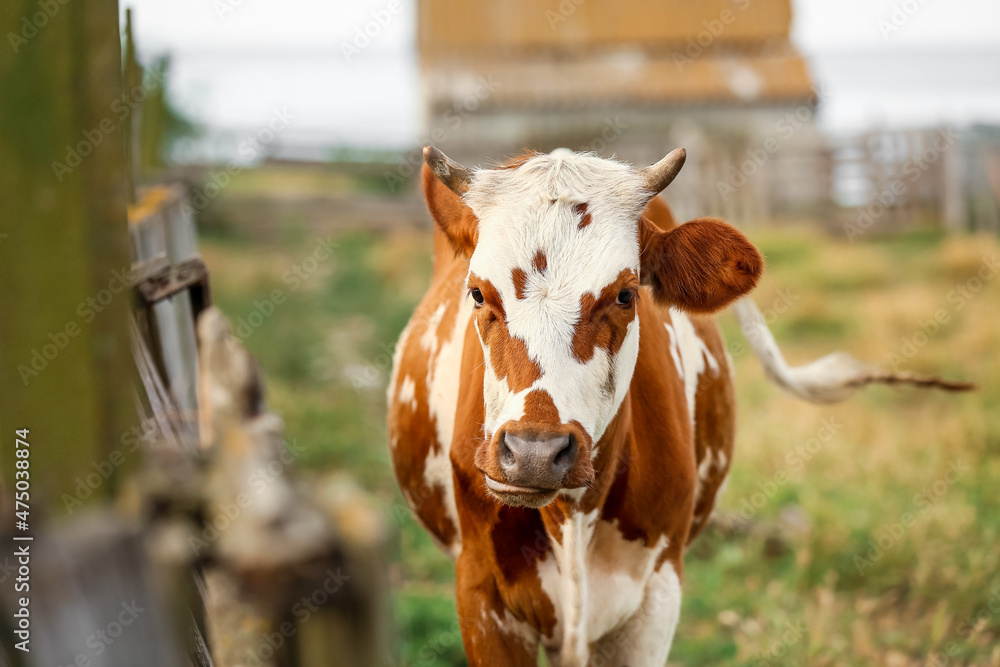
x: 644, y: 640
x: 492, y: 637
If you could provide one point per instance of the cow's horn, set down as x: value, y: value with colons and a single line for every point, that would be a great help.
x: 658, y: 176
x: 449, y: 172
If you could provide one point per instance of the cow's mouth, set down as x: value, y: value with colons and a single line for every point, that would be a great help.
x: 523, y: 496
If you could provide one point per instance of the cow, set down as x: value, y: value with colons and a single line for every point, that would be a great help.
x: 561, y: 406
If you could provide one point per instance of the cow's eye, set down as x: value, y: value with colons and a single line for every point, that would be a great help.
x: 477, y: 296
x: 624, y: 297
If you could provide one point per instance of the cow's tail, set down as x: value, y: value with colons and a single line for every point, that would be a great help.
x: 829, y: 379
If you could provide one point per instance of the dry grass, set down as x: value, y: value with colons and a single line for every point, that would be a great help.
x: 889, y: 460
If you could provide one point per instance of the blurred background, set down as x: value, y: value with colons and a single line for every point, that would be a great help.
x: 857, y: 143
x: 848, y: 92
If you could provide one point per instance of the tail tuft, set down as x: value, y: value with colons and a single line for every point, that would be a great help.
x: 829, y: 379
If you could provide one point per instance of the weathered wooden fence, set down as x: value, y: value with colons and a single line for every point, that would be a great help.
x: 881, y: 181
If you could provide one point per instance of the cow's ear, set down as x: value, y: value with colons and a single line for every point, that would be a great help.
x: 443, y: 183
x: 700, y: 266
x: 450, y: 214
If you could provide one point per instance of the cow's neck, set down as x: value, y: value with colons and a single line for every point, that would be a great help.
x: 570, y: 523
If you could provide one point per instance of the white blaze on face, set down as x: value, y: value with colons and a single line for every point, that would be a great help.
x: 530, y: 209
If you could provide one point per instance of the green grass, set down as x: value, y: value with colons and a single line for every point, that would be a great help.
x: 325, y: 353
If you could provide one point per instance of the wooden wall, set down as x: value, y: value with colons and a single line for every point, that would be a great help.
x: 468, y: 26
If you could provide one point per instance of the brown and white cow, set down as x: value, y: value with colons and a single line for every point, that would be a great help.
x: 561, y: 412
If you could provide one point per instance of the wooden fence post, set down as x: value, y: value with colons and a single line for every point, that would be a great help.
x: 290, y: 579
x: 66, y: 369
x: 67, y: 374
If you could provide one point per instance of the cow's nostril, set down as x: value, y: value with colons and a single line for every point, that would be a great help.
x: 507, y: 461
x: 566, y: 456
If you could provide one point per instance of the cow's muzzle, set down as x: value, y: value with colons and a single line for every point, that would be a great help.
x: 528, y: 466
x: 537, y: 460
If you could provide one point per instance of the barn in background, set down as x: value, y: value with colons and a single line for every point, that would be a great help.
x: 636, y: 78
x: 633, y: 78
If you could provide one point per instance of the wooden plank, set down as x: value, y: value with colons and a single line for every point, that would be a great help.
x: 95, y: 599
x: 161, y: 223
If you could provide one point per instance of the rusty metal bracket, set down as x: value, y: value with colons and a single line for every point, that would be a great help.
x: 157, y: 280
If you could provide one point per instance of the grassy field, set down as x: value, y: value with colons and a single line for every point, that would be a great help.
x: 875, y: 524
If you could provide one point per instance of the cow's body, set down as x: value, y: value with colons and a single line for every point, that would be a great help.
x: 606, y: 573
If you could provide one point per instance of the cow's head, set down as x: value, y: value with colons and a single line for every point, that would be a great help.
x: 558, y: 249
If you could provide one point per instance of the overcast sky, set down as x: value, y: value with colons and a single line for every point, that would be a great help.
x: 236, y: 60
x: 320, y: 24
